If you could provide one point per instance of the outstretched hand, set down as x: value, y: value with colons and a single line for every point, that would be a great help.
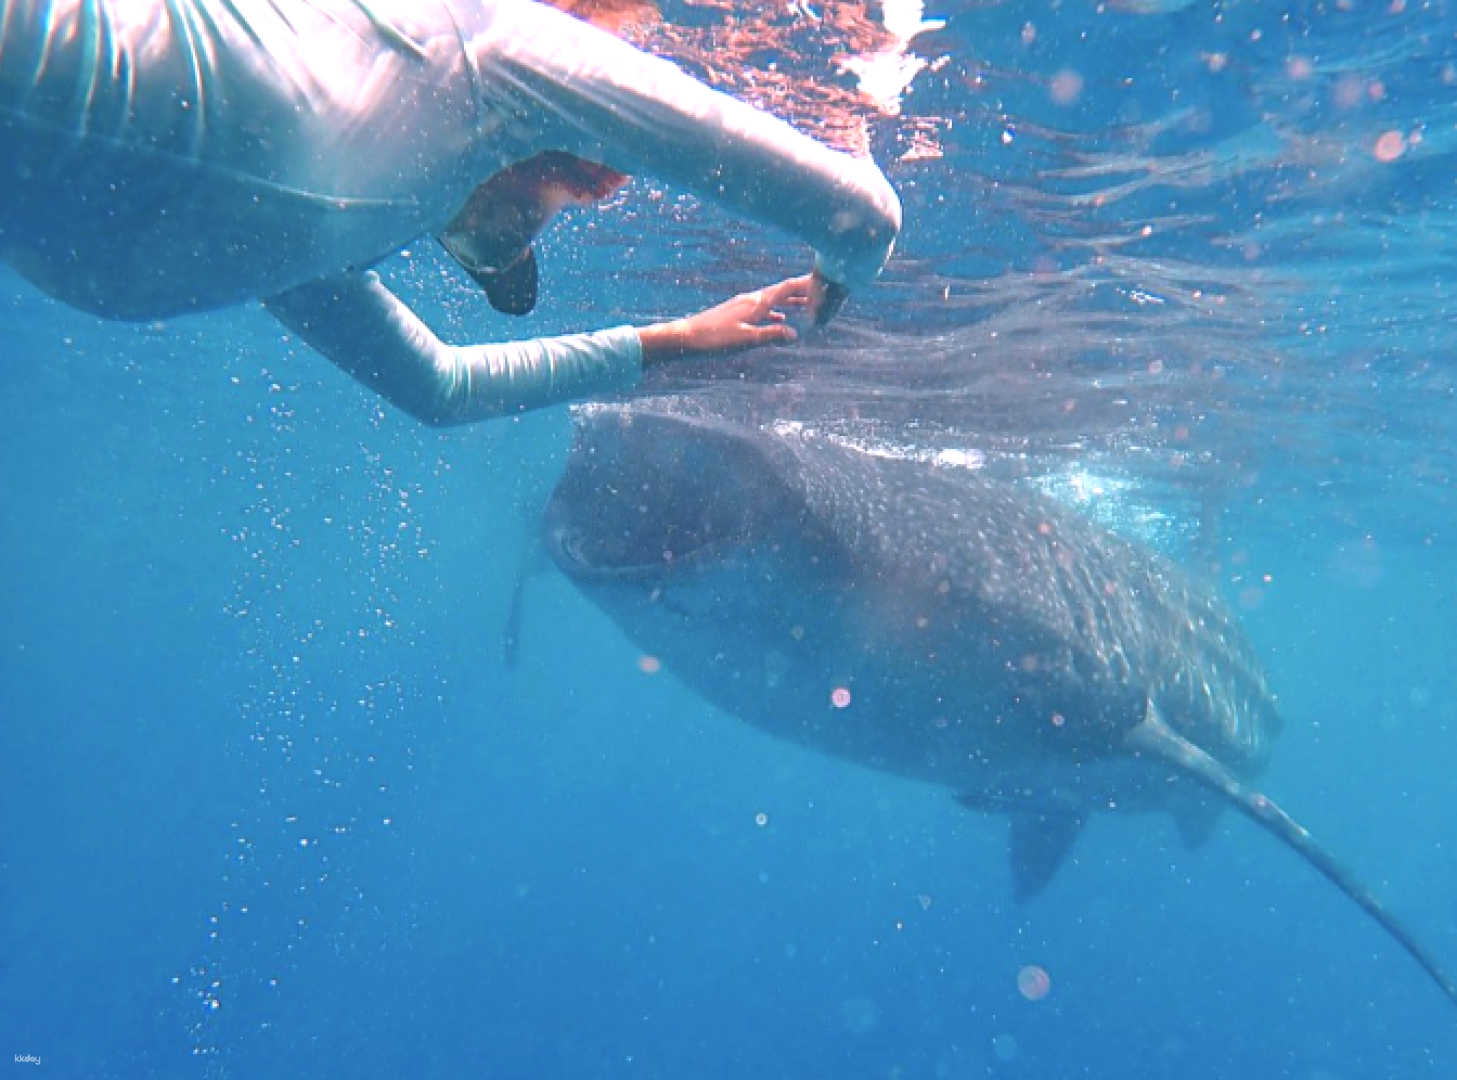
x: 747, y: 321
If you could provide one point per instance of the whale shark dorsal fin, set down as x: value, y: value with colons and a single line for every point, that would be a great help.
x: 1041, y: 837
x: 1153, y: 737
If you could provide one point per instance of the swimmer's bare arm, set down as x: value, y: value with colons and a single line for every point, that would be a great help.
x: 745, y: 322
x: 365, y: 329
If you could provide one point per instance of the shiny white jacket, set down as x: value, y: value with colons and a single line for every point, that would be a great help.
x: 166, y: 156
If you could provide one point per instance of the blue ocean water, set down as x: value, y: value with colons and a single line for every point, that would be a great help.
x: 274, y: 804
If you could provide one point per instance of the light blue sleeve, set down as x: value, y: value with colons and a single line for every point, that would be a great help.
x: 565, y: 85
x: 365, y: 329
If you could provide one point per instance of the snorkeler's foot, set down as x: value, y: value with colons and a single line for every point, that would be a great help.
x: 491, y: 237
x: 511, y: 290
x: 826, y: 298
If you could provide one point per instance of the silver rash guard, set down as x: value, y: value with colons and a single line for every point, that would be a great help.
x: 168, y: 156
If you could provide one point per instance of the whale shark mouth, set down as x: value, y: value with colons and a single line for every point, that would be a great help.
x: 651, y: 510
x: 570, y: 549
x: 574, y: 552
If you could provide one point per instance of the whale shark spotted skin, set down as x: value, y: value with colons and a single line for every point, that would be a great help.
x: 932, y: 622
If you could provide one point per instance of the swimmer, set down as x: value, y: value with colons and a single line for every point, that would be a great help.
x: 161, y: 157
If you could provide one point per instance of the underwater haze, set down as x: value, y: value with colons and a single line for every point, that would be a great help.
x: 275, y: 804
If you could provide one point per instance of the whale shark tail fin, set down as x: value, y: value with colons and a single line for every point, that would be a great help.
x: 1155, y: 738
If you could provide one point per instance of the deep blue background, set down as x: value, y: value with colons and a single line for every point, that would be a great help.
x: 273, y: 805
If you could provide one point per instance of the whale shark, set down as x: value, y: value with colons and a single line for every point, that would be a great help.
x: 938, y: 623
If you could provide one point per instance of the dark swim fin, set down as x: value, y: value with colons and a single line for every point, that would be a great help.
x: 1042, y: 836
x: 1154, y: 738
x: 492, y: 235
x: 513, y: 290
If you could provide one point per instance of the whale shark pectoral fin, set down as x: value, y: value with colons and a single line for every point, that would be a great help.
x: 998, y: 802
x: 516, y: 609
x: 1040, y: 843
x: 1196, y: 822
x: 530, y: 561
x: 1042, y: 836
x: 1154, y: 738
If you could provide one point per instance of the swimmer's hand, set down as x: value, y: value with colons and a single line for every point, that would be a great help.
x: 747, y: 321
